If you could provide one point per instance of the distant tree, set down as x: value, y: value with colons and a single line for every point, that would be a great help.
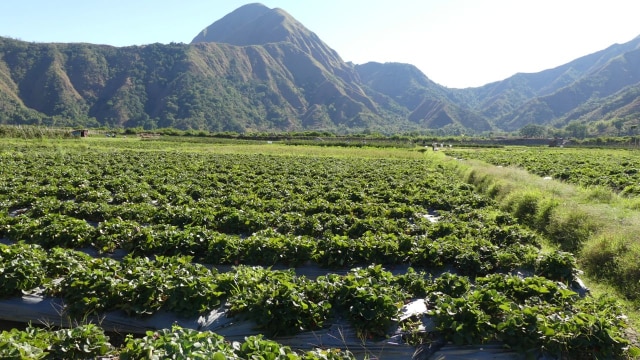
x: 576, y: 130
x: 618, y: 124
x: 533, y: 131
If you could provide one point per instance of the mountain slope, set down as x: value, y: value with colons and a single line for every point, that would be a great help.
x: 428, y: 104
x: 312, y: 64
x: 259, y: 69
x: 600, y: 82
x: 207, y: 86
x: 547, y: 96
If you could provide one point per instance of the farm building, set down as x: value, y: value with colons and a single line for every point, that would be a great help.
x: 80, y: 133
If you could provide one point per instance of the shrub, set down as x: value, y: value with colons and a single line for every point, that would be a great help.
x: 570, y: 228
x: 523, y: 205
x: 600, y: 256
x: 546, y: 208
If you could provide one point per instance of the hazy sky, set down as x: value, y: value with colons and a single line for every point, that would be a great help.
x: 456, y: 43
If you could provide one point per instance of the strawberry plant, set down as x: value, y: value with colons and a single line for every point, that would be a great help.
x: 268, y: 248
x: 278, y: 301
x: 369, y: 297
x: 54, y: 230
x: 177, y: 343
x: 462, y: 320
x: 180, y: 343
x: 21, y: 268
x: 559, y: 265
x: 116, y: 233
x: 140, y: 286
x: 82, y: 342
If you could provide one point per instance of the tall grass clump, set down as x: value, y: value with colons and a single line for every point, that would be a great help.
x: 524, y: 205
x: 487, y: 184
x: 600, y: 194
x: 546, y: 208
x: 570, y: 227
x: 612, y: 257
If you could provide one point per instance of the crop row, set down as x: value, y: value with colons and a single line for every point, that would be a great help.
x: 90, y: 342
x: 475, y: 243
x: 157, y: 183
x: 525, y: 313
x: 618, y: 170
x: 258, y: 210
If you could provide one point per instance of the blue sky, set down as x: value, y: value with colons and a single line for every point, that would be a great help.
x: 456, y: 43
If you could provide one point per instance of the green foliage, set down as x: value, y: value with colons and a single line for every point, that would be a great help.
x: 451, y: 285
x: 140, y: 286
x: 177, y: 343
x: 278, y: 301
x: 82, y: 342
x: 570, y: 229
x: 462, y: 320
x: 258, y: 210
x: 533, y: 131
x: 612, y: 258
x: 180, y: 343
x: 170, y: 211
x: 257, y: 347
x: 268, y: 247
x: 32, y: 131
x: 523, y: 206
x: 558, y: 265
x: 369, y: 297
x: 531, y: 314
x: 53, y: 230
x: 21, y: 268
x: 89, y: 342
x: 116, y: 233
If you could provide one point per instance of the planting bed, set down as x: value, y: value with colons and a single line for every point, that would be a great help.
x: 310, y: 251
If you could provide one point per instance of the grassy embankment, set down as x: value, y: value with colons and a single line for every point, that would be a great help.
x: 600, y: 227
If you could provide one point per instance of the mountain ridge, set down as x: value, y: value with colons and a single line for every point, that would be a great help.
x: 259, y: 69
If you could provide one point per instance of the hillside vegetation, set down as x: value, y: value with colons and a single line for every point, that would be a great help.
x: 259, y: 69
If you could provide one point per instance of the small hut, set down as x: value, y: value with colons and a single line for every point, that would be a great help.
x: 80, y: 133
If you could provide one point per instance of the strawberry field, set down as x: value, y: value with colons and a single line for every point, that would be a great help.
x: 145, y: 230
x: 617, y: 169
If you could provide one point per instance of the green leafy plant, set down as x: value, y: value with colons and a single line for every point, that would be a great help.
x: 177, y: 343
x: 368, y: 296
x: 278, y: 301
x: 559, y: 265
x: 81, y: 342
x: 21, y: 268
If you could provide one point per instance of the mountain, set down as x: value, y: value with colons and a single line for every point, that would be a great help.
x: 310, y: 64
x: 259, y: 69
x: 267, y: 72
x: 426, y: 104
x: 556, y: 96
